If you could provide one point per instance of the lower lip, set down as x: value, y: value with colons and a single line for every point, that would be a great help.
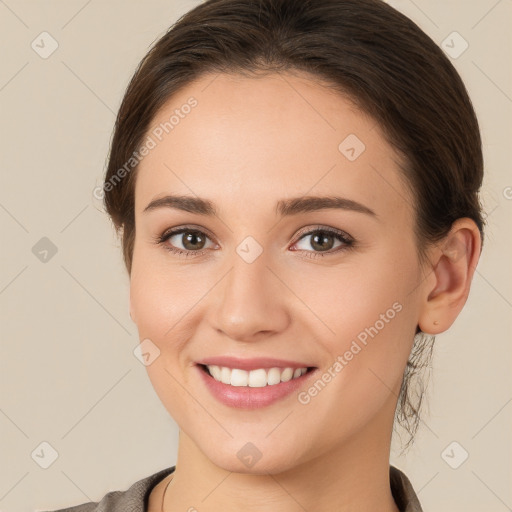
x: 245, y: 397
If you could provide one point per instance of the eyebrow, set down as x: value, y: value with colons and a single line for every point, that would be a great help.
x: 284, y: 207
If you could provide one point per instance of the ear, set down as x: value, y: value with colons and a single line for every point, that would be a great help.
x: 446, y: 289
x: 132, y: 314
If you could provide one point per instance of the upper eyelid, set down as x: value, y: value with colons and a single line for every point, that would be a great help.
x: 313, y: 229
x: 180, y: 229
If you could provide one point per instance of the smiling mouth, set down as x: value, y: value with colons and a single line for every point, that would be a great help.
x: 258, y: 378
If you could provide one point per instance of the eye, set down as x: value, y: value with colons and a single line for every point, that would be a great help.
x: 192, y: 241
x: 322, y: 240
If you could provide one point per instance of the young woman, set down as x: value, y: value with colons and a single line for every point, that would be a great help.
x: 296, y: 187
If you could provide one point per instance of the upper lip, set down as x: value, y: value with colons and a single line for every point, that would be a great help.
x: 251, y: 364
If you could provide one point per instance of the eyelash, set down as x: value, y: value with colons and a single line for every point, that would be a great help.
x: 348, y: 241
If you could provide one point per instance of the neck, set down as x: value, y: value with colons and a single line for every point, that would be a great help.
x: 352, y: 476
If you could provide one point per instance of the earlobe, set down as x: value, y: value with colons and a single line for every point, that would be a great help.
x: 453, y: 264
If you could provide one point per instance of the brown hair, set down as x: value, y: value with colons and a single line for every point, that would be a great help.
x: 364, y: 49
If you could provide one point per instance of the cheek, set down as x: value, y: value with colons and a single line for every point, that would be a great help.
x: 348, y: 299
x: 371, y: 315
x: 159, y: 305
x: 159, y: 298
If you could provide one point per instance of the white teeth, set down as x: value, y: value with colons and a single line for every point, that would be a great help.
x: 225, y: 375
x: 238, y: 377
x: 255, y: 378
x: 216, y: 372
x: 274, y: 376
x: 287, y: 374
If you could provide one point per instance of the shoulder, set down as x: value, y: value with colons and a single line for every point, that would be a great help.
x: 403, y: 491
x: 134, y: 499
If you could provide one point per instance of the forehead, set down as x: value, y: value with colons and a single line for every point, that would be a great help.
x: 236, y: 139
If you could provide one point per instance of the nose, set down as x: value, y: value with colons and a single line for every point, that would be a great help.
x: 251, y: 301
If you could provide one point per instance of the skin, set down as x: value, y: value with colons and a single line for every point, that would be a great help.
x: 249, y: 143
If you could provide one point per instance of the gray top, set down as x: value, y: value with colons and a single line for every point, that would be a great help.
x: 135, y: 499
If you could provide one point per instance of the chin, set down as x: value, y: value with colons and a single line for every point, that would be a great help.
x: 247, y: 458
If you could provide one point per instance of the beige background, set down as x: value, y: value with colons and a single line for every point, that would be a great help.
x: 68, y: 373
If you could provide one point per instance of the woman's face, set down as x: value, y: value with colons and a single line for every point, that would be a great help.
x: 268, y: 276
